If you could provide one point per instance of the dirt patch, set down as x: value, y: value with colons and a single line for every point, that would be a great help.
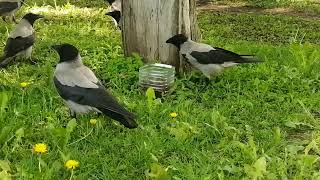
x: 247, y: 9
x: 298, y: 135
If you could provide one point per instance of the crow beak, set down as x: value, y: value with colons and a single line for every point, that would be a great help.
x: 169, y: 41
x: 40, y: 16
x: 108, y: 14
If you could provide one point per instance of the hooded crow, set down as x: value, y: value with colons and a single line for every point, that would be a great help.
x: 116, y: 16
x: 21, y: 40
x: 115, y: 11
x: 81, y: 90
x: 211, y: 61
x: 9, y: 7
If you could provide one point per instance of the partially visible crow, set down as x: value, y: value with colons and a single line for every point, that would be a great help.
x: 21, y: 40
x: 9, y: 8
x: 115, y: 11
x: 116, y: 16
x: 211, y: 61
x: 82, y: 91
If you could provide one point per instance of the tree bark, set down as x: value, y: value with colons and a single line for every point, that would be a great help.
x: 147, y: 24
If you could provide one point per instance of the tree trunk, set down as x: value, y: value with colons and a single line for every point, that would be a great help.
x: 147, y: 24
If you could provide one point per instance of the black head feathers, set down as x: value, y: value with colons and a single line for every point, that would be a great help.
x: 31, y: 18
x: 115, y: 14
x: 177, y: 40
x: 67, y: 52
x: 111, y: 1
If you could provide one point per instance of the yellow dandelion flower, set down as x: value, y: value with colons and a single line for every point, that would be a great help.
x: 93, y: 121
x: 40, y: 148
x: 174, y: 114
x: 72, y: 164
x: 24, y: 84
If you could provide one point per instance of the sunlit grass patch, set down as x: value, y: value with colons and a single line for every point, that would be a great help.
x: 67, y: 10
x: 304, y: 6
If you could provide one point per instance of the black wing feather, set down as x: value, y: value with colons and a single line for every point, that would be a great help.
x: 98, y: 98
x: 217, y: 56
x: 18, y: 44
x: 6, y: 7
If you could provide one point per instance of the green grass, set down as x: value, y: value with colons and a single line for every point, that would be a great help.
x: 275, y: 29
x: 308, y: 6
x: 254, y: 121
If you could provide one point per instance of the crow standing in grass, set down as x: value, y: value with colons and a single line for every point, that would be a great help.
x: 82, y: 91
x: 21, y: 40
x: 115, y: 11
x: 9, y: 7
x: 209, y: 60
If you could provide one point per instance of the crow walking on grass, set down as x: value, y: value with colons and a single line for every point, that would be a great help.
x: 211, y: 61
x: 82, y: 91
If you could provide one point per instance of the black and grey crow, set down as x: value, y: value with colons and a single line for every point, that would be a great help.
x: 209, y: 60
x: 115, y: 11
x: 116, y: 16
x: 21, y: 40
x: 9, y: 8
x: 82, y: 91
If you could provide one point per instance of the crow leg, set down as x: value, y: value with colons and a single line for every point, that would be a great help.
x: 4, y: 18
x: 205, y: 83
x: 14, y: 19
x: 31, y: 61
x: 72, y: 114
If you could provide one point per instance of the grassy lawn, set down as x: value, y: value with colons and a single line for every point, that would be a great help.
x: 308, y: 6
x: 252, y: 122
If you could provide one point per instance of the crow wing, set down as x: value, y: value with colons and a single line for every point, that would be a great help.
x: 94, y: 97
x: 6, y: 7
x: 18, y: 44
x: 216, y: 56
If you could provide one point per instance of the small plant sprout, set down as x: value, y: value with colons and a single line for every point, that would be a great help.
x: 72, y: 165
x: 93, y: 122
x: 40, y: 149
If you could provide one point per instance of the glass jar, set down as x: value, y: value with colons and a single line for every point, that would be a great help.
x: 158, y: 76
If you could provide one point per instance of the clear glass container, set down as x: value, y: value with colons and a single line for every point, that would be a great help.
x: 158, y: 76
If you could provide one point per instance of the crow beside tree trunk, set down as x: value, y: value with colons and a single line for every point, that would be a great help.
x: 147, y: 24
